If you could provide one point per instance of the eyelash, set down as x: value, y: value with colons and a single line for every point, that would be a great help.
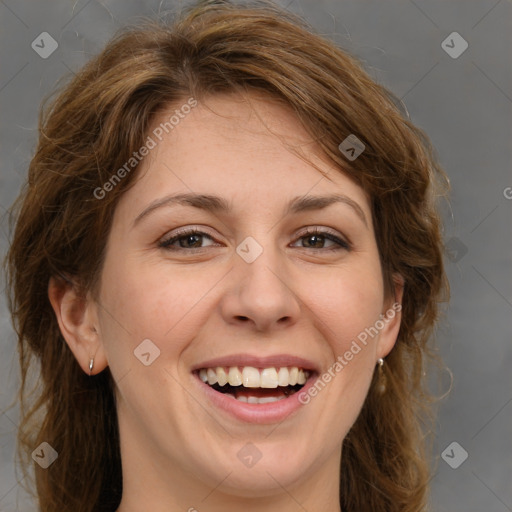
x: 167, y: 243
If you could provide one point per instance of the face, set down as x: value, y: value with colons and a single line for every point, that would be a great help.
x: 249, y: 274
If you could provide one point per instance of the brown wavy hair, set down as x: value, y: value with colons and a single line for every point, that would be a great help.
x: 95, y: 123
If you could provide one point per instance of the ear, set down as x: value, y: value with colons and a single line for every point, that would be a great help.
x: 391, y: 317
x: 78, y: 323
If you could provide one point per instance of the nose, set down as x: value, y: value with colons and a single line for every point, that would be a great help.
x: 260, y: 294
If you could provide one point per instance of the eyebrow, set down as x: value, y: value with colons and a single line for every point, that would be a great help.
x: 216, y: 204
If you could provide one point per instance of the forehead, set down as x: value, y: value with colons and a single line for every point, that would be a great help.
x: 246, y: 148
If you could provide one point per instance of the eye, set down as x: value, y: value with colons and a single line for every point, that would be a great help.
x: 315, y: 239
x: 186, y: 239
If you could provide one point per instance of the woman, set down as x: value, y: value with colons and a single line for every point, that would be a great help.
x: 227, y: 262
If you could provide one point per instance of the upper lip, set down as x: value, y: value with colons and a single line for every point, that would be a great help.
x: 277, y: 360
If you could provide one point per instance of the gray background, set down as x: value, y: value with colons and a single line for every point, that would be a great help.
x: 464, y: 105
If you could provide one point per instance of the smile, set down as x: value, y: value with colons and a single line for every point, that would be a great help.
x: 255, y: 386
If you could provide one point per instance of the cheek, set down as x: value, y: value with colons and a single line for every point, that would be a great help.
x: 144, y: 302
x: 347, y: 306
x: 348, y: 302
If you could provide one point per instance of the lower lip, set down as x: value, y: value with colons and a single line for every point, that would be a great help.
x: 256, y: 413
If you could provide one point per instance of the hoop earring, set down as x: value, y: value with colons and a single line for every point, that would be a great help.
x: 381, y: 385
x: 91, y: 365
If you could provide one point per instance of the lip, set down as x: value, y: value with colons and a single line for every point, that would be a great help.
x: 240, y: 360
x: 273, y: 412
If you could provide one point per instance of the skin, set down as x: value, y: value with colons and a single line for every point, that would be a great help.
x: 179, y: 452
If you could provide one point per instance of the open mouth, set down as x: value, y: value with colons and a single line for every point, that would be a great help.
x: 255, y: 386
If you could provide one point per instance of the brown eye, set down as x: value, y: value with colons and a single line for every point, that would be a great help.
x: 316, y: 239
x: 191, y: 239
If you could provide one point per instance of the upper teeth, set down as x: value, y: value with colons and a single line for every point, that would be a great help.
x: 251, y: 377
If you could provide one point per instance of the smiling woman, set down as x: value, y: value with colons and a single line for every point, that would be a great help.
x: 243, y: 321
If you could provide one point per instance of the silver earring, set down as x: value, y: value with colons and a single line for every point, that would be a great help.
x: 91, y: 364
x: 381, y: 383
